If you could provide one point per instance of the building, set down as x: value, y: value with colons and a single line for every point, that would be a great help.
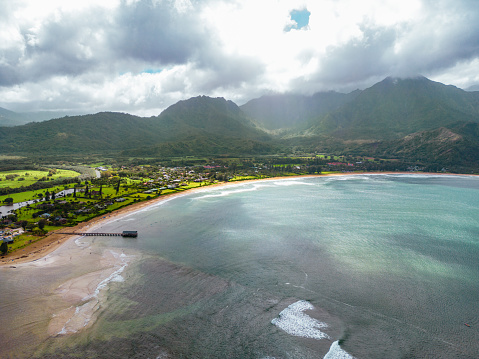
x: 129, y: 234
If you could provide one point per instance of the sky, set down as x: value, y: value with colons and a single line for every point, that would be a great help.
x: 141, y: 56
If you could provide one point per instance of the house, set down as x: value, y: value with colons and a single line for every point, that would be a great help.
x: 8, y: 239
x: 16, y: 232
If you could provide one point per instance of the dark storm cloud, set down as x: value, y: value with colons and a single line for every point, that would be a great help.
x: 447, y: 36
x: 359, y: 58
x: 133, y: 37
x: 226, y: 71
x: 156, y: 32
x: 72, y: 44
x: 62, y: 46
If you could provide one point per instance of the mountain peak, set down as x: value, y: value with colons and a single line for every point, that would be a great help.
x: 397, y: 79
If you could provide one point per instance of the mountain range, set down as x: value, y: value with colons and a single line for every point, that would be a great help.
x: 11, y: 118
x: 412, y: 118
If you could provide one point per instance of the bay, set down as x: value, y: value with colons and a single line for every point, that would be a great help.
x: 388, y: 264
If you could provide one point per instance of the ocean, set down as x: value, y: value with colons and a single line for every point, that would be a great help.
x: 353, y: 266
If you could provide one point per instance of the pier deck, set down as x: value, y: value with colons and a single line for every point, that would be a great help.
x: 122, y: 234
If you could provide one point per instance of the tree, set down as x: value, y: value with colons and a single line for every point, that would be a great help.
x: 24, y: 225
x: 41, y: 223
x: 4, y: 247
x: 8, y: 200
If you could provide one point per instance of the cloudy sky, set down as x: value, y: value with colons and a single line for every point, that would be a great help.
x: 140, y: 56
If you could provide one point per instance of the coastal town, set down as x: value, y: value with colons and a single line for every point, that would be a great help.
x: 31, y: 212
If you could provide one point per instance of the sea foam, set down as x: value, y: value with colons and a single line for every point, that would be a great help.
x: 293, y: 321
x: 335, y: 352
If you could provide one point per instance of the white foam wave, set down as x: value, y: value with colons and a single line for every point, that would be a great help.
x: 114, y: 277
x: 84, y: 313
x: 80, y: 319
x: 293, y: 321
x: 158, y: 204
x: 223, y: 193
x: 412, y: 175
x: 80, y: 243
x: 347, y: 178
x: 335, y: 352
x: 292, y: 182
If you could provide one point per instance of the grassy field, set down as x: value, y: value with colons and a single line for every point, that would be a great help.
x: 29, y: 195
x: 15, y: 179
x: 25, y: 239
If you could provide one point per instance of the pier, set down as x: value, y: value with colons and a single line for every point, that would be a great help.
x: 122, y: 234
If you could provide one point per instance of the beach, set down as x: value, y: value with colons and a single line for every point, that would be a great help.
x: 54, y: 239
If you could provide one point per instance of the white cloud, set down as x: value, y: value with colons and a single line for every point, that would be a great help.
x: 92, y: 55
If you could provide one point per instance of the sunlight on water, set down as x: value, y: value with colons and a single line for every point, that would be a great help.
x: 387, y: 263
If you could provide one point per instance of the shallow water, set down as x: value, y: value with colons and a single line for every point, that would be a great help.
x: 381, y: 266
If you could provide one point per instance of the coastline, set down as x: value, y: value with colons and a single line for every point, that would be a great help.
x: 54, y: 240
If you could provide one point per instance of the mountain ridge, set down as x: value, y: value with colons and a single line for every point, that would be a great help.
x: 395, y: 117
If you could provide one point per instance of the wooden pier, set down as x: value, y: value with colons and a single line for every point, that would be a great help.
x: 122, y: 234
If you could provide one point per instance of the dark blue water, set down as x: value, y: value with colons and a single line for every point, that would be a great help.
x: 384, y: 266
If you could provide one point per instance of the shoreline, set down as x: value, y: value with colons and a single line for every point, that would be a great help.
x: 54, y: 240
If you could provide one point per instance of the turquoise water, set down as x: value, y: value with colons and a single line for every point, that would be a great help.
x: 377, y: 266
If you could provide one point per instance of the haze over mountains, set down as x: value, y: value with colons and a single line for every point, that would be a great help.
x: 11, y: 118
x: 411, y: 118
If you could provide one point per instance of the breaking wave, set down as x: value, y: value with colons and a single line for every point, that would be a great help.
x: 293, y: 321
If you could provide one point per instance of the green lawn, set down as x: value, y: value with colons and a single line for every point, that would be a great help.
x: 30, y: 195
x: 26, y: 178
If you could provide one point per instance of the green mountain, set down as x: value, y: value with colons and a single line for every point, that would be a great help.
x: 205, y: 126
x: 396, y: 118
x: 287, y: 110
x: 206, y: 116
x: 105, y: 131
x: 457, y: 144
x: 10, y: 118
x: 394, y: 108
x: 196, y: 125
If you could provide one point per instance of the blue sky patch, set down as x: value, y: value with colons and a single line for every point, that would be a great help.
x: 152, y: 71
x: 300, y: 17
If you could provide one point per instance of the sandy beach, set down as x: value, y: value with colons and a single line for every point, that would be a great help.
x: 53, y: 240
